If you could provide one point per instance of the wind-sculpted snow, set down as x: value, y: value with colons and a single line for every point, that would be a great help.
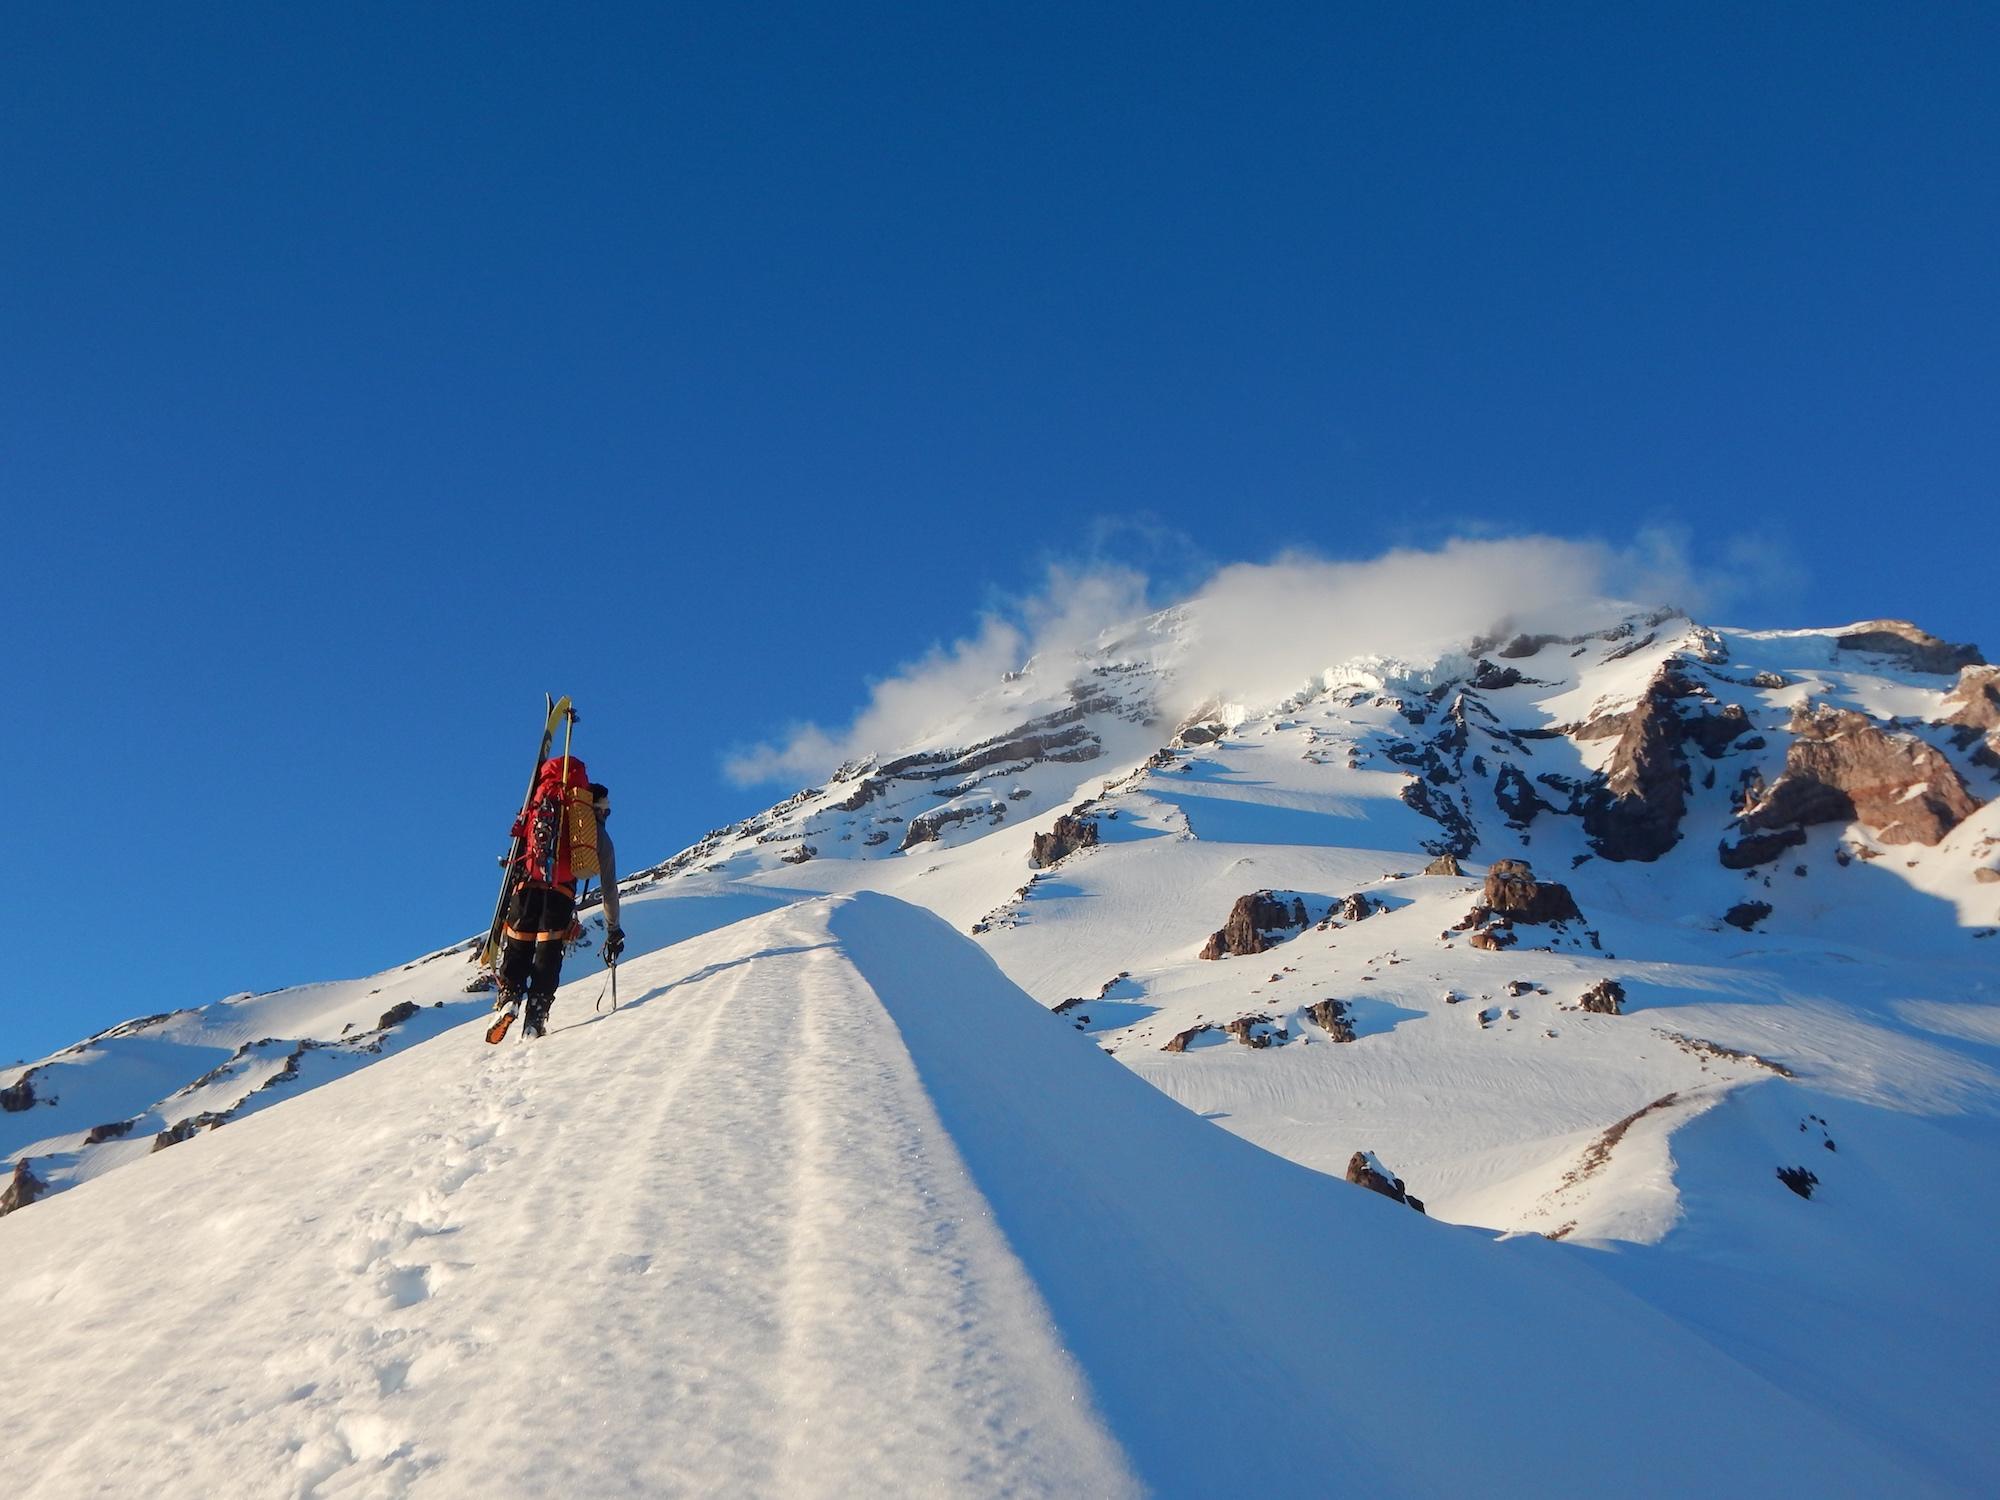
x: 830, y: 1207
x: 716, y: 1243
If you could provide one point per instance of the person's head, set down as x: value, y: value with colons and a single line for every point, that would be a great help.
x: 601, y: 795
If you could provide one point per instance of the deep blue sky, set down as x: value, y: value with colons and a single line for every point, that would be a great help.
x: 367, y: 369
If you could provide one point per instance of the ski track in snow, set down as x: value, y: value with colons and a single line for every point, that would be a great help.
x: 716, y: 1244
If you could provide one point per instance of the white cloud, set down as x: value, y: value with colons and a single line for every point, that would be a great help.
x: 1070, y: 609
x: 1263, y: 630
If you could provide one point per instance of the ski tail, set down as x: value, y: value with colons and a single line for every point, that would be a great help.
x: 487, y: 954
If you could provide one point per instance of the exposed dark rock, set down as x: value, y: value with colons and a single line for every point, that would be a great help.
x: 1974, y: 716
x: 1364, y: 1169
x: 1517, y: 798
x: 1916, y: 649
x: 1460, y: 835
x: 1331, y: 1017
x: 1703, y: 1048
x: 925, y: 827
x: 1512, y: 891
x: 1256, y: 1031
x: 1799, y: 1180
x: 1842, y: 767
x: 803, y: 853
x: 1250, y: 919
x: 1070, y: 834
x: 1487, y: 677
x: 20, y: 1095
x: 1357, y: 907
x: 1708, y: 647
x: 1975, y: 700
x: 1770, y: 680
x: 1631, y: 648
x: 1747, y: 914
x: 1758, y: 848
x: 1715, y: 732
x: 1604, y: 998
x: 1444, y: 864
x: 396, y: 1014
x: 24, y: 1188
x: 186, y: 1129
x: 1516, y: 988
x: 1635, y: 813
x: 114, y: 1130
x: 1061, y: 736
x: 1493, y: 939
x: 1179, y: 1041
x: 1598, y: 1153
x: 1202, y: 727
x: 1526, y: 645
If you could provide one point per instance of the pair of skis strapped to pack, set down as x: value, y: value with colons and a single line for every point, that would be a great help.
x: 560, y: 711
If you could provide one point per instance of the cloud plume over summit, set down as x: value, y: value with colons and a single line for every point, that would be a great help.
x: 1258, y: 631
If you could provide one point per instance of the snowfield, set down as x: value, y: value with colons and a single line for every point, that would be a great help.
x: 928, y: 1156
x: 830, y: 1208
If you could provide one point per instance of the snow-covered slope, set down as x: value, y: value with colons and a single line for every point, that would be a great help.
x: 1775, y: 862
x: 830, y: 1208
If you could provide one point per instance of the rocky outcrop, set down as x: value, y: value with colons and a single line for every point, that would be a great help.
x: 800, y: 854
x: 1062, y: 736
x: 113, y: 1130
x: 1842, y: 767
x: 1444, y: 864
x: 1488, y: 677
x: 396, y: 1014
x: 1178, y: 1042
x: 1257, y: 1031
x: 1758, y: 848
x: 1355, y: 908
x: 1331, y: 1017
x: 1747, y: 914
x: 1713, y: 732
x: 1916, y: 649
x: 187, y: 1129
x: 1799, y: 1179
x: 1635, y: 814
x: 925, y: 827
x: 1070, y: 834
x: 24, y: 1188
x: 1250, y: 919
x: 1974, y: 713
x: 1204, y: 726
x: 1511, y: 891
x: 1460, y: 836
x: 1604, y: 998
x: 1365, y: 1169
x: 20, y: 1095
x: 1493, y: 939
x: 1517, y: 798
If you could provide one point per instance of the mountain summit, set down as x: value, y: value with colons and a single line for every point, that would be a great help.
x: 978, y: 1119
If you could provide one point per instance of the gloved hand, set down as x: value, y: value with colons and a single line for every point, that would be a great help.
x: 614, y: 944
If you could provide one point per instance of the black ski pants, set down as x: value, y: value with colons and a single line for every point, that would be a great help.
x: 531, y: 955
